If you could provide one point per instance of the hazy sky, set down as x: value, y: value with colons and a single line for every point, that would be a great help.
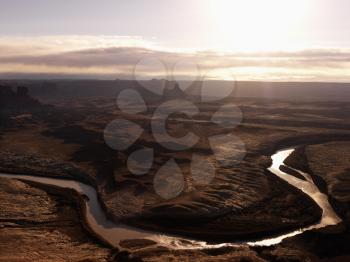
x: 255, y: 39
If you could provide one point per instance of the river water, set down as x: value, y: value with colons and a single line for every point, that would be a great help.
x: 113, y: 232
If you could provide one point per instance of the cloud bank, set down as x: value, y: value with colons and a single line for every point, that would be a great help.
x: 117, y: 57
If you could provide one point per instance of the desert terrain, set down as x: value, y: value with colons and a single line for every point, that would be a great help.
x: 57, y: 130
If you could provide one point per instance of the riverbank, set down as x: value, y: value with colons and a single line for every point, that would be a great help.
x: 37, y: 225
x: 327, y: 162
x: 288, y: 204
x: 96, y: 213
x: 218, y: 235
x: 328, y: 165
x: 80, y: 200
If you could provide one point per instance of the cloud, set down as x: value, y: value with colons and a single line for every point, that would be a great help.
x: 40, y: 45
x: 118, y: 56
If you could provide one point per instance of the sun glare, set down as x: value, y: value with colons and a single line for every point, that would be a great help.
x: 257, y: 24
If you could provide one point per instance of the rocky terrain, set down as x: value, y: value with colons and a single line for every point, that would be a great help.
x: 331, y: 163
x: 244, y: 200
x: 40, y: 226
x: 328, y: 162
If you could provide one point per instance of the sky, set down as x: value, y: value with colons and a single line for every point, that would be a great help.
x: 272, y: 40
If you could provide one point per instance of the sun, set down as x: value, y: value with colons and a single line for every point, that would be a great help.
x: 256, y: 24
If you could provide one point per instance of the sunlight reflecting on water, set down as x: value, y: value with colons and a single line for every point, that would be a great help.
x: 114, y: 232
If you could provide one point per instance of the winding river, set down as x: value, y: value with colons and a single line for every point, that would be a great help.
x: 113, y: 232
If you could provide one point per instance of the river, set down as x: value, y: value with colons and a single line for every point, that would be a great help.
x: 113, y: 232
